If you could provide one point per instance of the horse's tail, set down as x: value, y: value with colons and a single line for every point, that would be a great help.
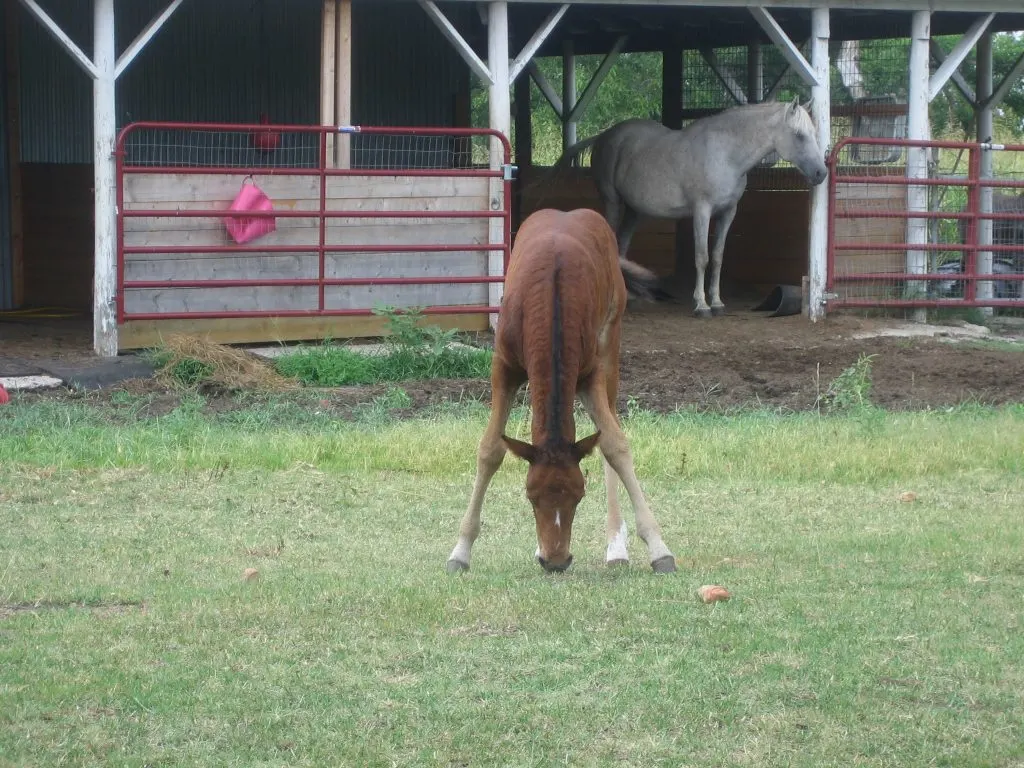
x: 640, y: 281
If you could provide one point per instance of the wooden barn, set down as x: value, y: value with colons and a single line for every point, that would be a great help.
x: 120, y: 222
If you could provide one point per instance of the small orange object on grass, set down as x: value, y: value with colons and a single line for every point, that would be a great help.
x: 712, y: 593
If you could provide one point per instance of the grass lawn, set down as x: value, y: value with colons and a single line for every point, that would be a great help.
x: 864, y: 630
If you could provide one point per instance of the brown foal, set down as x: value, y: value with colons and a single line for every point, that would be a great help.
x: 559, y: 330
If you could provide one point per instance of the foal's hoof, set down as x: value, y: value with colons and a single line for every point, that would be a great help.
x: 718, y: 311
x: 666, y: 564
x: 618, y: 562
x: 702, y: 312
x: 456, y: 566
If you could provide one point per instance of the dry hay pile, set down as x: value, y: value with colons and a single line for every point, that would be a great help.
x: 196, y: 361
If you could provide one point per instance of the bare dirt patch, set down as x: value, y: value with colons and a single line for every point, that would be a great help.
x: 671, y: 360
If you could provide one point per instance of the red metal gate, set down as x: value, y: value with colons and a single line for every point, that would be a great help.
x: 176, y: 180
x: 870, y: 261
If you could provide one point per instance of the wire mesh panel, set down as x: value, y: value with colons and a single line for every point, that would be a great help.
x: 952, y: 239
x: 225, y: 221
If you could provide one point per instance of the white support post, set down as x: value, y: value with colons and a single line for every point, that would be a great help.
x: 568, y: 95
x: 499, y: 98
x: 917, y: 157
x: 104, y: 316
x: 733, y: 88
x: 821, y: 107
x: 328, y: 72
x: 984, y: 134
x: 755, y: 72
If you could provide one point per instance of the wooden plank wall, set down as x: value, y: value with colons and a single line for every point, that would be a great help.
x: 767, y: 244
x: 57, y: 216
x: 184, y: 192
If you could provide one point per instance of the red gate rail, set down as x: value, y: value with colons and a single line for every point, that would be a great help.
x: 968, y: 274
x: 323, y: 172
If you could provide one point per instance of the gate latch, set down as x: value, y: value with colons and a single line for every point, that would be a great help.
x: 509, y: 172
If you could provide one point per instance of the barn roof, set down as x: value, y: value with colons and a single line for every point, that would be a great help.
x: 595, y: 25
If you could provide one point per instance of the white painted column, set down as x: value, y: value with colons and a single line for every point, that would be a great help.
x: 917, y: 158
x: 104, y: 138
x: 983, y: 89
x: 499, y: 98
x: 822, y: 114
x: 568, y: 94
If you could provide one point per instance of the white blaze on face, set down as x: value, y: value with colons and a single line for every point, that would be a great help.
x: 558, y: 519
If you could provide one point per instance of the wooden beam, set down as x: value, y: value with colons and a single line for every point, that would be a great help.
x: 13, y: 118
x: 500, y: 113
x: 568, y: 93
x: 774, y: 88
x: 755, y: 72
x: 580, y: 108
x: 328, y: 69
x: 524, y: 125
x: 939, y: 56
x: 734, y: 89
x: 957, y: 55
x: 1007, y: 83
x: 58, y: 34
x: 343, y: 82
x: 136, y: 45
x: 545, y: 88
x: 821, y: 112
x: 464, y: 49
x: 786, y: 46
x: 918, y: 128
x: 672, y: 86
x: 533, y: 45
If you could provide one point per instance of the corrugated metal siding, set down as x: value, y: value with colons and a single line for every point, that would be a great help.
x: 6, y: 266
x: 230, y: 61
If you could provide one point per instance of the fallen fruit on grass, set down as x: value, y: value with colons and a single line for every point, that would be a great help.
x: 712, y: 593
x: 908, y: 496
x: 250, y: 574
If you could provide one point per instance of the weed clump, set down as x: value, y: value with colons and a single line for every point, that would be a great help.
x: 190, y: 362
x: 851, y: 389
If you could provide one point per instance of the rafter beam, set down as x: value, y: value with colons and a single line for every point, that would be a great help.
x: 464, y: 49
x: 775, y: 87
x: 144, y: 37
x: 939, y: 56
x: 533, y: 45
x: 956, y: 57
x: 1006, y: 84
x: 786, y: 46
x: 580, y: 107
x: 734, y: 89
x: 545, y: 88
x: 58, y: 34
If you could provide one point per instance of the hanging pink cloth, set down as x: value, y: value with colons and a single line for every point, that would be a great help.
x: 245, y: 228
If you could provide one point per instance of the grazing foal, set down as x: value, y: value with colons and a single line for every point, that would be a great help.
x: 559, y: 330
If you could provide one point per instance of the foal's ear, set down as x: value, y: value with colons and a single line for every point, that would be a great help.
x: 523, y: 450
x: 584, y: 447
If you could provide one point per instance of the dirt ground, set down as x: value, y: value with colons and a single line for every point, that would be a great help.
x: 671, y: 360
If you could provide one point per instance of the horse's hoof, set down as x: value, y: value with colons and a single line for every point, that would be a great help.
x: 718, y: 311
x: 456, y: 566
x: 666, y: 564
x: 618, y: 562
x: 704, y: 313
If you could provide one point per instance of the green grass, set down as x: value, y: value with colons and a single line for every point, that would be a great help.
x: 863, y: 630
x: 329, y: 366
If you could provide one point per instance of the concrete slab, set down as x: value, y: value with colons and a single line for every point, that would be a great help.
x: 27, y: 383
x: 97, y: 374
x: 963, y: 331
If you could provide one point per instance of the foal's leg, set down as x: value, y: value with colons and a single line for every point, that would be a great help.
x: 722, y: 223
x: 490, y: 454
x: 615, y: 449
x: 701, y: 226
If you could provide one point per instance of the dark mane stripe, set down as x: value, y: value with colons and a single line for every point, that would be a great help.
x: 554, y: 425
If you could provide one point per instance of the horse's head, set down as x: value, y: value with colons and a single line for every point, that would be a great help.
x: 555, y: 487
x: 798, y: 143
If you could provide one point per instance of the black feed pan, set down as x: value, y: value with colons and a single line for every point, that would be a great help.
x: 783, y: 300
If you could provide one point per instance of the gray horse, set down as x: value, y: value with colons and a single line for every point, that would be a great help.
x: 642, y: 167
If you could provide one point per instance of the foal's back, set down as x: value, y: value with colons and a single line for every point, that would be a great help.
x: 573, y: 255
